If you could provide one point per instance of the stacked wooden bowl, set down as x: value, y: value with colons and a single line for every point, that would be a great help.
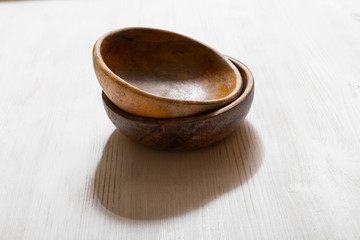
x: 168, y: 91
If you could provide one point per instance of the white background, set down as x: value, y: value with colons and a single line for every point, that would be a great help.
x: 291, y: 171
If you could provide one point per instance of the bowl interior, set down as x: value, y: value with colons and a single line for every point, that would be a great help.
x: 246, y: 91
x: 169, y: 65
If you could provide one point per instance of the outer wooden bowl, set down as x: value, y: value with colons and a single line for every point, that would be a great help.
x: 187, y: 133
x: 160, y: 74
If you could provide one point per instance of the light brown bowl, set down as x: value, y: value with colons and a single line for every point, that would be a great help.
x: 160, y: 74
x: 189, y: 132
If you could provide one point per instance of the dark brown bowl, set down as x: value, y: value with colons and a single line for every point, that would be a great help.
x: 186, y: 133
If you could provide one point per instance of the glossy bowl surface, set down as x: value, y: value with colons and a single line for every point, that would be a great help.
x: 161, y: 74
x: 186, y: 133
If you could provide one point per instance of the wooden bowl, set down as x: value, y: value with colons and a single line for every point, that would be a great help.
x: 160, y: 74
x: 186, y: 133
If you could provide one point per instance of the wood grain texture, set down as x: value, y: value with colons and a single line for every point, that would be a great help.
x: 291, y: 171
x: 187, y: 133
x: 161, y: 74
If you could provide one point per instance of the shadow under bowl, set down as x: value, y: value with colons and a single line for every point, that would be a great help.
x: 187, y: 133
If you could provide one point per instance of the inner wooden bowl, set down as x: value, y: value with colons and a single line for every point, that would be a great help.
x: 160, y: 74
x: 186, y: 133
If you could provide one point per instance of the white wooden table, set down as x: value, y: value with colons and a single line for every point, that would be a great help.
x: 291, y: 171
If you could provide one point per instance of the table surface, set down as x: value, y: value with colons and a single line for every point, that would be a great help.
x: 290, y: 171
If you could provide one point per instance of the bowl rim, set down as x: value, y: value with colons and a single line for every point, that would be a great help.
x: 247, y: 91
x: 101, y: 63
